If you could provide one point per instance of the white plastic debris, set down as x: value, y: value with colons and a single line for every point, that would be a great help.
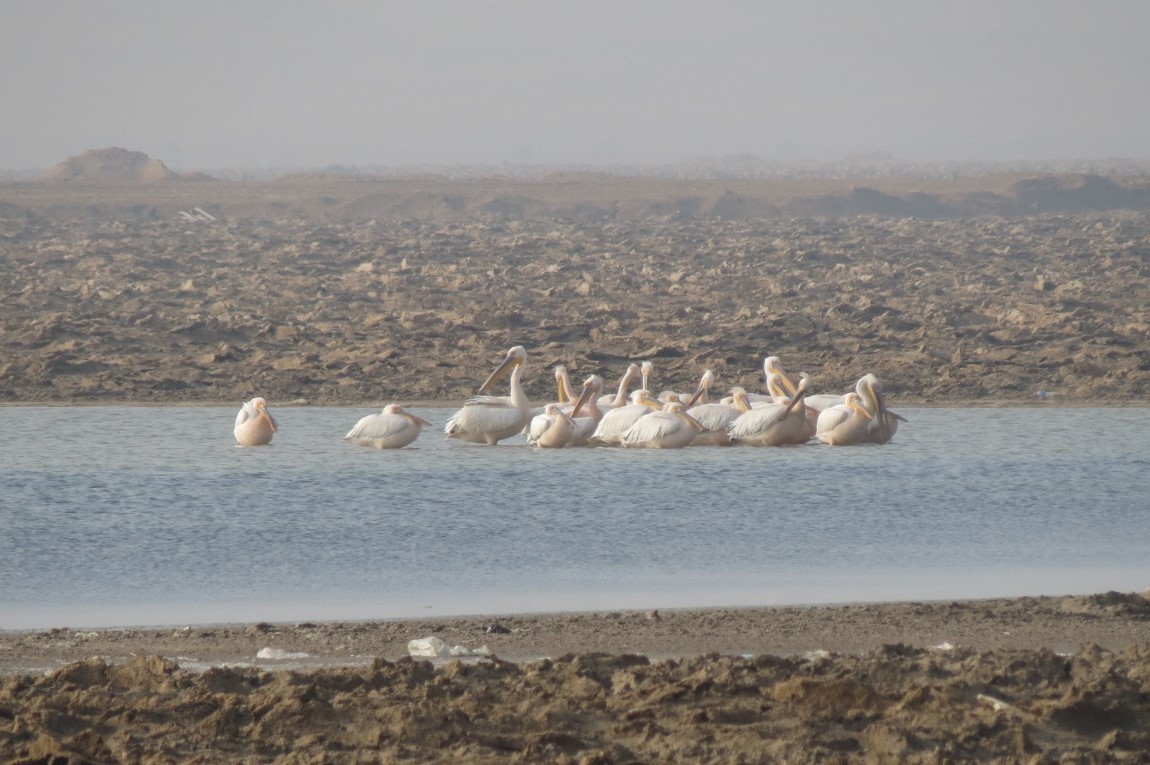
x: 437, y: 649
x: 278, y: 654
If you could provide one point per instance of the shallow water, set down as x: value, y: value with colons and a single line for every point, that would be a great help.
x: 118, y: 516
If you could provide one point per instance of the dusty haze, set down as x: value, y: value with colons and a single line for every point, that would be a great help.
x: 308, y: 84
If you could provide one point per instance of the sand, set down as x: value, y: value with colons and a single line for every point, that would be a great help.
x: 1009, y: 680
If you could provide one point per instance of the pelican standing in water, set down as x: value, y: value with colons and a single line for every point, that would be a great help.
x: 669, y: 428
x: 254, y: 424
x: 551, y: 430
x: 393, y: 428
x: 775, y: 424
x: 845, y: 424
x: 490, y: 419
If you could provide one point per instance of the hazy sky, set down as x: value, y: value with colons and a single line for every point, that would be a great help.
x: 210, y: 84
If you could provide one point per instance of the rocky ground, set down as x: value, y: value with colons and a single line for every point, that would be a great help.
x: 340, y: 291
x: 1025, y: 680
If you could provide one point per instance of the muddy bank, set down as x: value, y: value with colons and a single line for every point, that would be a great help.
x: 104, y: 305
x: 1031, y: 679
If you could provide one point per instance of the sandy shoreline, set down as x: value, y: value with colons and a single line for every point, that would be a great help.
x: 1061, y: 624
x: 1040, y: 679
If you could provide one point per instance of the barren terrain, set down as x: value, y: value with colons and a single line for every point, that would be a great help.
x: 338, y: 290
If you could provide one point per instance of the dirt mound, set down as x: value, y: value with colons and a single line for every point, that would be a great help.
x: 112, y: 165
x: 897, y: 704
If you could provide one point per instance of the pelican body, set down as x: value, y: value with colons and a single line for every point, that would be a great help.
x: 669, y: 428
x: 775, y: 424
x: 490, y: 419
x: 393, y: 428
x: 845, y: 424
x: 254, y: 424
x: 717, y: 419
x: 616, y: 421
x: 551, y: 430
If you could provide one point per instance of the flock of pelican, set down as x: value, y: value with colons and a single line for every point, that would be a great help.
x: 786, y: 414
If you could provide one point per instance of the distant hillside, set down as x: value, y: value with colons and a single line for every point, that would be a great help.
x: 114, y: 165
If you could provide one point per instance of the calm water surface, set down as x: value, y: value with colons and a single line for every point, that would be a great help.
x: 115, y: 516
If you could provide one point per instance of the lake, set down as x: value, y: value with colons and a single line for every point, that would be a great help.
x: 117, y: 516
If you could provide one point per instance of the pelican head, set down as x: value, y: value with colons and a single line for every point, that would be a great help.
x: 397, y: 409
x: 646, y: 369
x: 676, y: 408
x: 515, y: 358
x: 705, y: 383
x: 797, y: 399
x: 773, y: 369
x: 592, y: 387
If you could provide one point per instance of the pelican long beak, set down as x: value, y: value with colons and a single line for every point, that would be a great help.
x: 416, y: 418
x: 561, y: 395
x: 500, y: 373
x: 698, y: 394
x: 693, y: 422
x: 795, y: 399
x: 584, y: 397
x: 264, y: 413
x: 857, y: 407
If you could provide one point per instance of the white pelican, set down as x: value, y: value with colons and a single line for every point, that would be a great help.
x: 775, y: 424
x: 620, y: 397
x: 254, y: 424
x: 669, y: 428
x: 885, y: 422
x: 551, y: 430
x: 490, y: 419
x: 779, y: 384
x: 585, y: 424
x: 566, y: 391
x: 845, y: 424
x: 616, y: 421
x: 393, y: 428
x: 717, y: 418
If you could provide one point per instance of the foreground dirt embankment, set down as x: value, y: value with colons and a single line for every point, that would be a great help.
x: 345, y: 292
x: 1023, y: 680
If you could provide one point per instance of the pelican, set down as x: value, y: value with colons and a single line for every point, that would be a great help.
x: 670, y: 428
x: 393, y: 428
x: 551, y: 430
x: 775, y: 424
x: 490, y: 419
x: 254, y: 424
x: 717, y: 418
x: 845, y: 424
x: 615, y: 422
x: 620, y: 397
x: 585, y: 424
x: 779, y: 384
x: 566, y: 391
x: 885, y: 422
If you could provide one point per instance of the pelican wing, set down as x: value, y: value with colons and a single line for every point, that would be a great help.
x: 539, y: 426
x: 652, y: 427
x: 756, y: 422
x: 715, y: 416
x: 831, y: 418
x: 378, y: 426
